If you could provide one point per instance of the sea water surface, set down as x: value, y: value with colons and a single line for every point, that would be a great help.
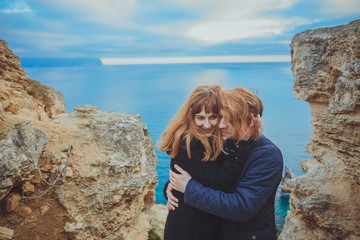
x: 157, y: 91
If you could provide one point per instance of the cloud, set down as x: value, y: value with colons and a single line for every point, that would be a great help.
x: 206, y: 21
x: 232, y: 20
x: 163, y: 27
x: 215, y: 7
x: 14, y: 7
x: 112, y: 13
x: 224, y: 31
x: 287, y: 42
x: 343, y: 7
x: 45, y: 40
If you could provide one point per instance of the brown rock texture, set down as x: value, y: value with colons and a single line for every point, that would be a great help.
x: 105, y: 185
x: 20, y: 95
x: 325, y: 202
x: 287, y: 177
x: 12, y: 202
x: 114, y: 179
x: 6, y: 233
x: 158, y: 214
x: 20, y: 147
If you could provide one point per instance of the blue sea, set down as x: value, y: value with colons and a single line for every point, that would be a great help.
x: 157, y: 91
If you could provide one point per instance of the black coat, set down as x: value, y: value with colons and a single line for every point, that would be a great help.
x: 189, y: 223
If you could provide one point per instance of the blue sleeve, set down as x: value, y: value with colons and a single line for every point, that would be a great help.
x: 260, y: 180
x: 221, y: 176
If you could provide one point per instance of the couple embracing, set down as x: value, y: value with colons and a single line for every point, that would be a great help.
x: 224, y: 172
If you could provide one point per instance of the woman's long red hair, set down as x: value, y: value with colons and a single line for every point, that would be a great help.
x: 182, y: 126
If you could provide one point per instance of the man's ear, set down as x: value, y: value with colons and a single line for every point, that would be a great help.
x: 252, y: 124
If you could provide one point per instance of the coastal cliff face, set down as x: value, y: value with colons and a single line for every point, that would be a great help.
x: 97, y: 167
x: 22, y: 96
x: 325, y: 202
x: 110, y: 191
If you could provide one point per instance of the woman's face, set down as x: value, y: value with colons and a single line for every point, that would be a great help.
x: 206, y: 122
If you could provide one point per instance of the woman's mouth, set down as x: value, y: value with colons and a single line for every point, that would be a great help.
x: 209, y: 130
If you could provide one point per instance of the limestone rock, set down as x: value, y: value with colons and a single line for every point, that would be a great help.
x: 45, y: 208
x: 24, y: 211
x: 324, y: 203
x: 113, y: 175
x: 110, y: 177
x: 287, y: 176
x: 6, y: 233
x: 158, y: 214
x: 20, y: 95
x: 36, y: 179
x: 66, y: 171
x: 28, y: 188
x: 20, y: 148
x: 12, y: 202
x: 307, y: 164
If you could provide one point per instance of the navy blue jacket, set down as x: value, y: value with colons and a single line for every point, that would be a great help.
x: 248, y: 210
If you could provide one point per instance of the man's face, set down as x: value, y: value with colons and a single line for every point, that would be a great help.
x: 225, y: 127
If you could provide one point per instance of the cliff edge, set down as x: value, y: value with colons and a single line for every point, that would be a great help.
x: 82, y: 175
x: 325, y: 202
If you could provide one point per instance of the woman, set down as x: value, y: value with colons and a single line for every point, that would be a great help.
x: 193, y: 142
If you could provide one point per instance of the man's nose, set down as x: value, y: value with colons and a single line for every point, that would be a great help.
x: 222, y: 123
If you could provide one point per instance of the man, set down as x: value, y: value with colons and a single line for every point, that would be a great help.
x: 248, y: 211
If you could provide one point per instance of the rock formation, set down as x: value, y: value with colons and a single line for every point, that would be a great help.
x: 20, y: 148
x: 105, y: 182
x: 109, y: 191
x: 22, y: 96
x: 288, y: 175
x: 325, y: 202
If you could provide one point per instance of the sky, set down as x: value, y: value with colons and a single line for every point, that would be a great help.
x: 163, y: 28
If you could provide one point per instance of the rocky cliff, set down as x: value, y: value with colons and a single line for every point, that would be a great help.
x: 82, y: 175
x: 22, y: 96
x: 325, y: 202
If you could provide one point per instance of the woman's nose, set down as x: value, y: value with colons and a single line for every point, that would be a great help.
x: 207, y: 124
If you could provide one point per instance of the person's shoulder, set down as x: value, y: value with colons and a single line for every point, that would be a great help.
x: 194, y: 143
x: 196, y: 146
x: 263, y: 143
x: 264, y: 147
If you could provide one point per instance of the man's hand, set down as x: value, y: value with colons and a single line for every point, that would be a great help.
x: 172, y: 202
x: 179, y: 181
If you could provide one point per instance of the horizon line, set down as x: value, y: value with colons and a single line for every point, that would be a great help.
x: 206, y: 59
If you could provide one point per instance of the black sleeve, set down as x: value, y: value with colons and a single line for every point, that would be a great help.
x: 217, y: 175
x: 164, y: 189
